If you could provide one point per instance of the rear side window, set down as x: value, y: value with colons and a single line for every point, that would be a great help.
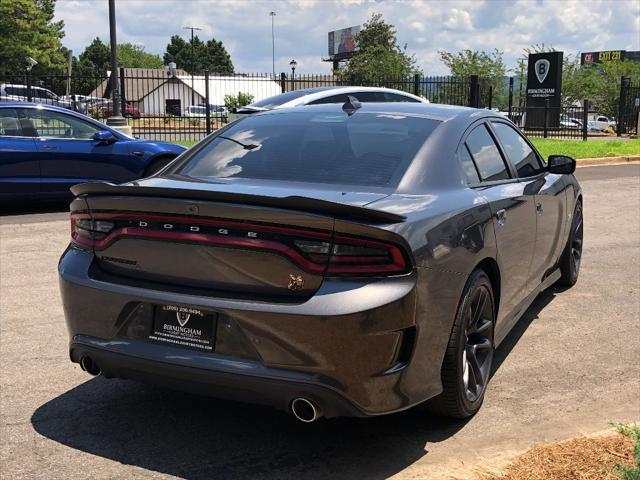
x: 9, y: 124
x: 468, y: 167
x: 372, y: 149
x: 522, y: 156
x: 486, y: 155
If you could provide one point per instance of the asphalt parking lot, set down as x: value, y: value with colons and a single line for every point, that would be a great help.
x: 570, y: 366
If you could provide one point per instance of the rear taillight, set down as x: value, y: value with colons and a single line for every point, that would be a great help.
x: 314, y: 251
x: 86, y: 232
x: 357, y: 256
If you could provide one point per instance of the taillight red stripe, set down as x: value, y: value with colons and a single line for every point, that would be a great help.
x: 216, y: 223
x: 337, y: 264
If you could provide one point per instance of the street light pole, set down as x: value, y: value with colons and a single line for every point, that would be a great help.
x: 193, y: 62
x: 116, y: 118
x: 273, y: 46
x: 293, y: 64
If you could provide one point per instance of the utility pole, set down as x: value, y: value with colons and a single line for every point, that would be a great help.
x: 273, y: 45
x: 116, y: 118
x: 193, y: 62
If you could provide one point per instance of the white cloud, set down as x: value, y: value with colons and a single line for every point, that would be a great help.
x: 244, y: 26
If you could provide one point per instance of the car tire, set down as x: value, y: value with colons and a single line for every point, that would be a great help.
x: 467, y: 363
x: 572, y: 255
x: 156, y: 165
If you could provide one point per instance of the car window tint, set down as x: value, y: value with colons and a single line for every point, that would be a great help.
x: 342, y: 98
x: 9, y: 123
x: 468, y: 167
x: 58, y: 125
x: 365, y: 149
x: 522, y: 156
x: 396, y: 97
x: 486, y: 155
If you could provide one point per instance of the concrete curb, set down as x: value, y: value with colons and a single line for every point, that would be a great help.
x: 597, y: 162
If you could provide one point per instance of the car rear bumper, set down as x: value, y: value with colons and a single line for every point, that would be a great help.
x: 240, y: 380
x: 349, y: 347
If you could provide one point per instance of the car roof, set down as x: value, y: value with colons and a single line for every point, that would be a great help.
x: 317, y: 95
x: 433, y: 111
x: 306, y: 95
x: 35, y: 87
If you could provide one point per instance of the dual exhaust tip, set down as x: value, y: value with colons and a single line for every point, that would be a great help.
x: 303, y: 409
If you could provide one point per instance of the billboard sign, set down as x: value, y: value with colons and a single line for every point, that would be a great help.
x: 544, y: 83
x: 591, y: 58
x: 342, y: 43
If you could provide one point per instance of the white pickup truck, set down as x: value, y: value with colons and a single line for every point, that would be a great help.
x: 600, y: 122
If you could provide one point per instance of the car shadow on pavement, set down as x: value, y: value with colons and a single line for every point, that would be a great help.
x: 512, y: 338
x: 197, y: 437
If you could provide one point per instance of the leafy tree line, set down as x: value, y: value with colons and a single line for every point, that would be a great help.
x: 28, y: 29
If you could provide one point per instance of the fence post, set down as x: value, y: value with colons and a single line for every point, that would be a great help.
x: 29, y: 98
x: 510, y: 98
x: 474, y: 88
x: 416, y: 84
x: 622, y: 103
x: 490, y: 96
x: 546, y: 118
x: 207, y: 101
x: 283, y: 82
x: 123, y: 93
x: 585, y: 118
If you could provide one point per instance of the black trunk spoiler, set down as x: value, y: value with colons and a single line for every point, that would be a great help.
x: 294, y: 202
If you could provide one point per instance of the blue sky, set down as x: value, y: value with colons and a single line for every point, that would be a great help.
x: 301, y: 26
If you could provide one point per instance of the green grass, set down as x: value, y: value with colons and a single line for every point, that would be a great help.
x: 589, y: 149
x: 573, y: 148
x: 633, y: 432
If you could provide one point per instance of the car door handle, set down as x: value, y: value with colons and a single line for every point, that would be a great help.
x: 49, y: 147
x: 539, y: 208
x: 138, y: 153
x: 501, y: 215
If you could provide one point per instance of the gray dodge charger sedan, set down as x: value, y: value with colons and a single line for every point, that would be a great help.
x: 331, y: 260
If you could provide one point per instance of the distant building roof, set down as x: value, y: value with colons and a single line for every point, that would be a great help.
x: 138, y: 82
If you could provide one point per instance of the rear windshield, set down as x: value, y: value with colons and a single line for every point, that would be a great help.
x: 372, y: 149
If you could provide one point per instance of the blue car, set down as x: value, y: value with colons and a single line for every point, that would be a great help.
x: 45, y: 150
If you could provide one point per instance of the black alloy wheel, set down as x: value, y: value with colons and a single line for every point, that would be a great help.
x: 466, y: 368
x: 478, y: 352
x: 572, y: 256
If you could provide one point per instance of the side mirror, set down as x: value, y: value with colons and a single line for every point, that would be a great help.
x: 561, y: 164
x: 104, y: 136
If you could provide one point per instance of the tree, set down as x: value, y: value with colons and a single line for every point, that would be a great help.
x: 600, y: 84
x: 95, y: 60
x: 489, y: 66
x: 378, y: 57
x: 235, y: 101
x: 134, y: 56
x: 28, y: 30
x: 210, y: 55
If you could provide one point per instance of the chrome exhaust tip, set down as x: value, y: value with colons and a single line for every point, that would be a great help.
x: 88, y: 365
x: 305, y: 410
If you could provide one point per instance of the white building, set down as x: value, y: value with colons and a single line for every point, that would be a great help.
x: 155, y: 92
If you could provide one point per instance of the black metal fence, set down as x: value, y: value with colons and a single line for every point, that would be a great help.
x: 176, y: 106
x: 552, y: 122
x: 628, y: 106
